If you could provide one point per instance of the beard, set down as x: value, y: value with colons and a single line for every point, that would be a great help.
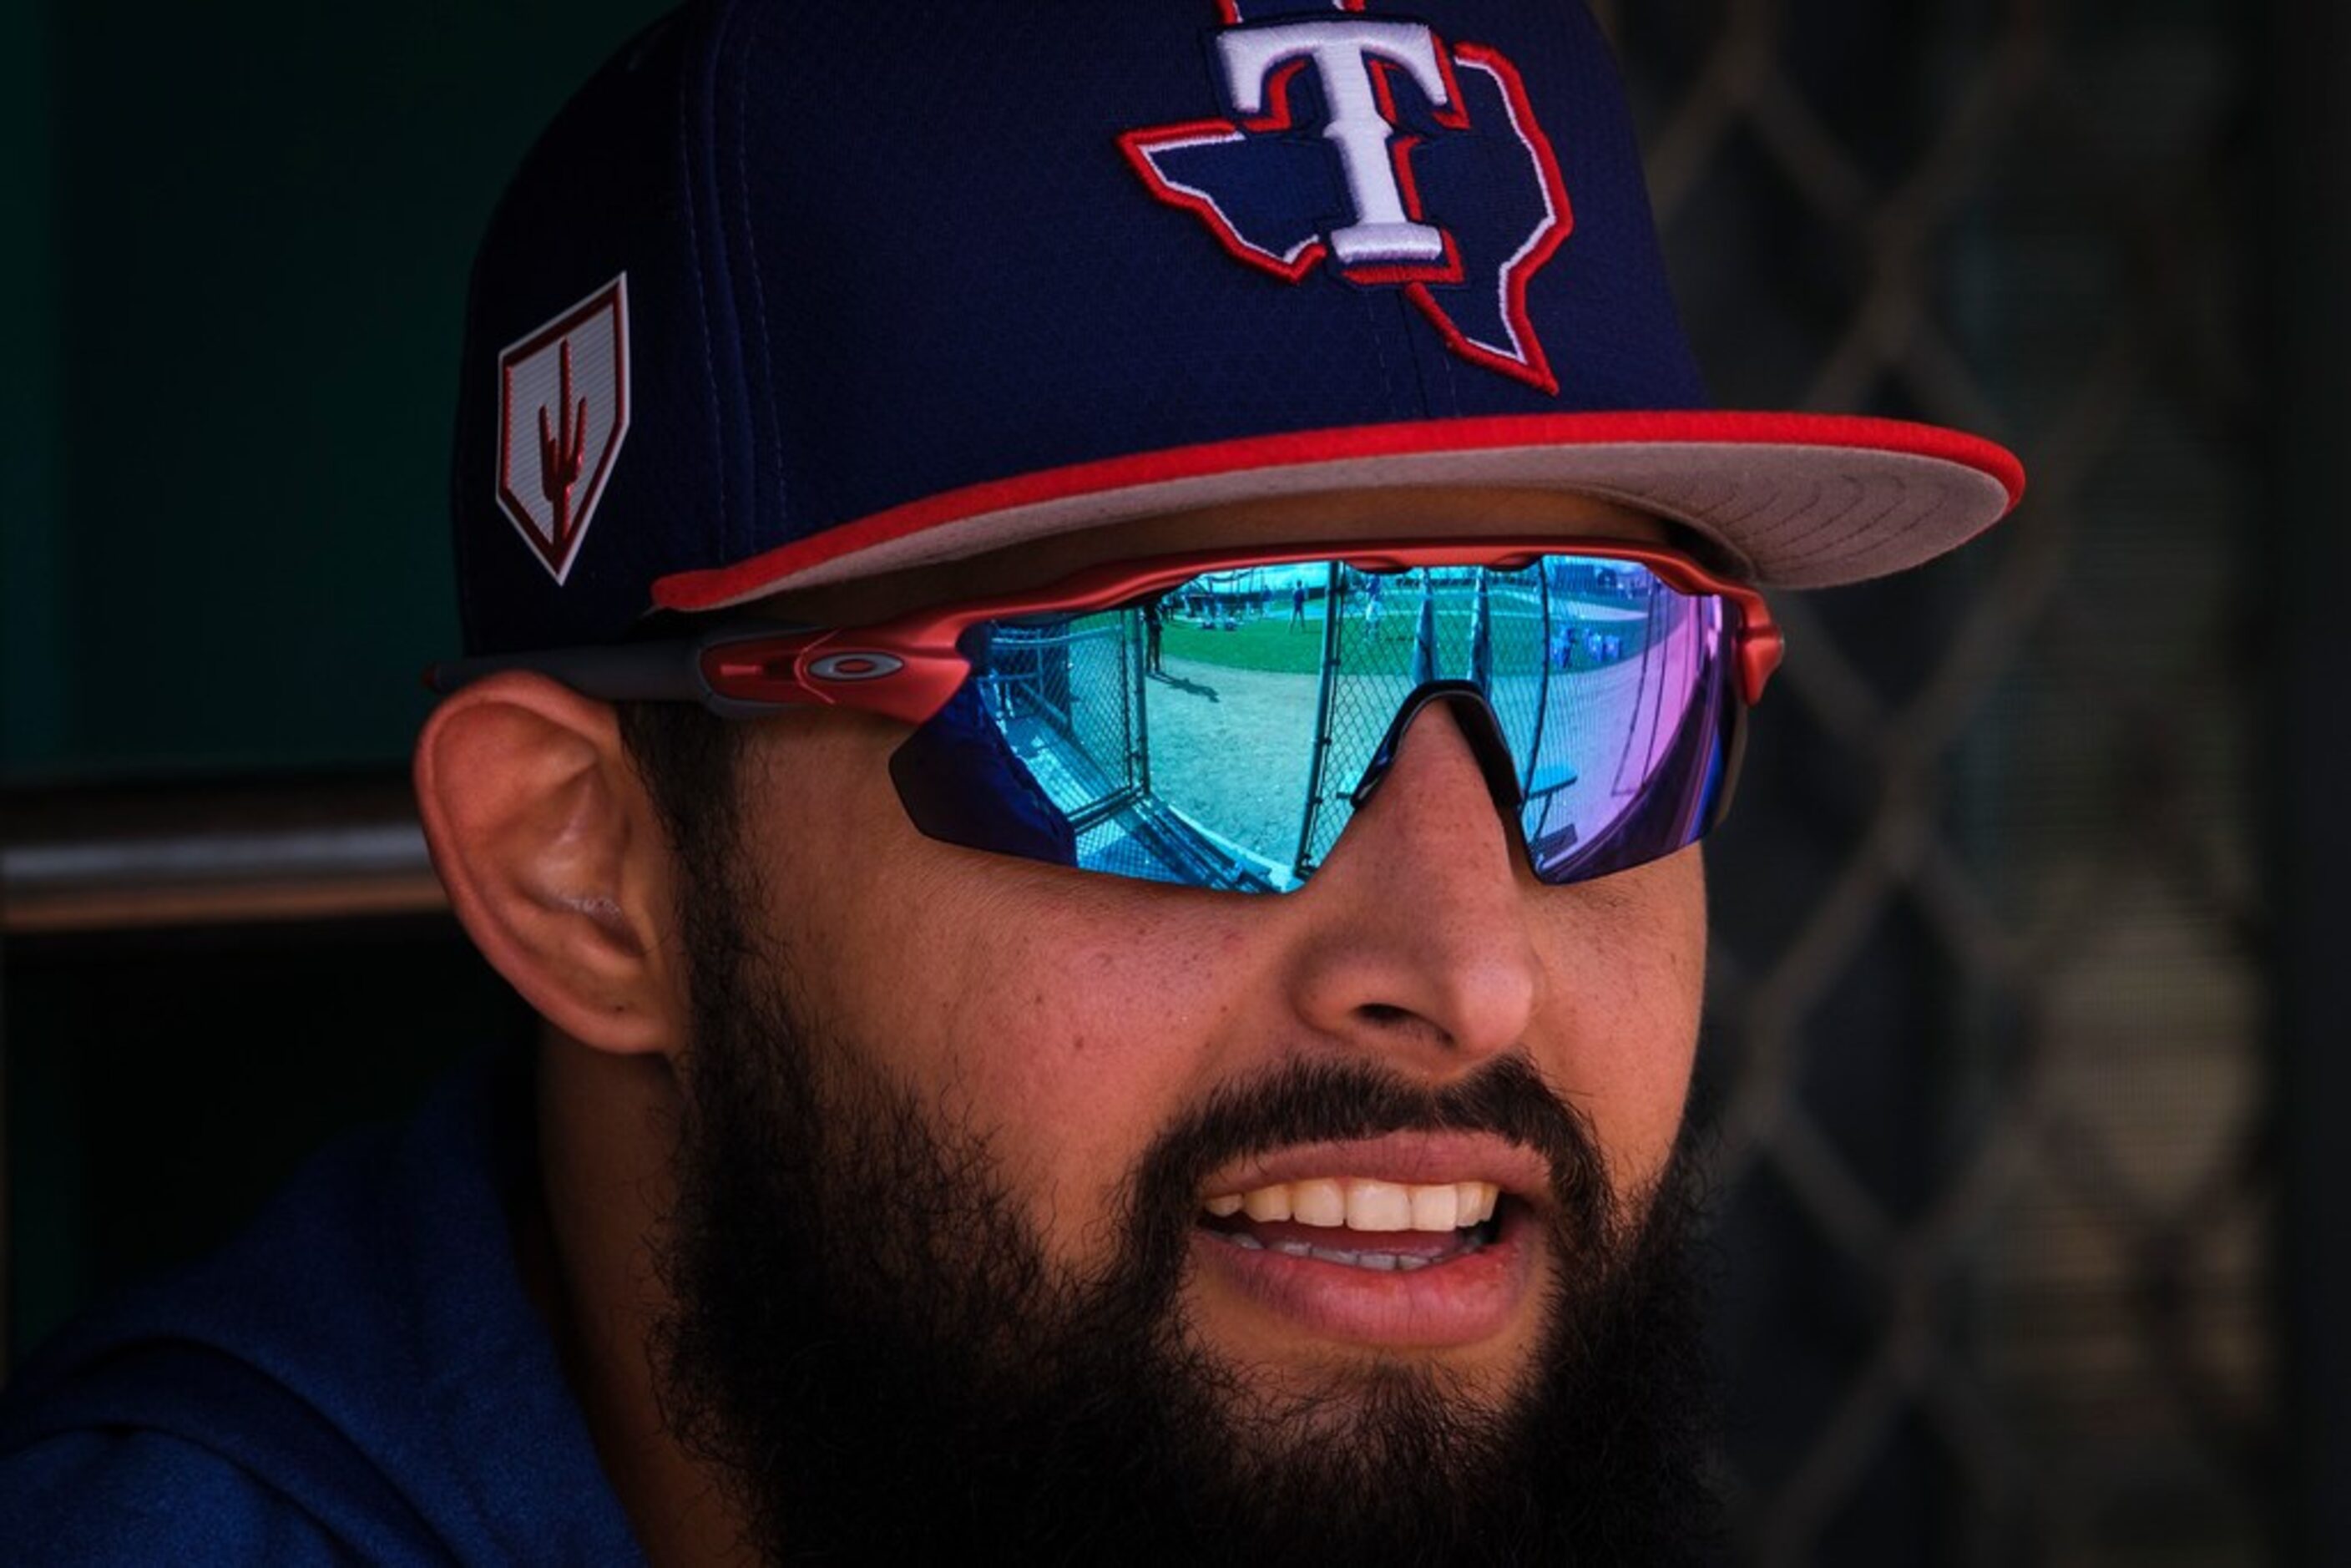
x: 870, y: 1346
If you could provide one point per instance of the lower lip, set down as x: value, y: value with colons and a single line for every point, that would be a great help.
x: 1467, y: 1298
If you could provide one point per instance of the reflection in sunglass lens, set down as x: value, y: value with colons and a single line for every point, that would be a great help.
x: 1218, y: 735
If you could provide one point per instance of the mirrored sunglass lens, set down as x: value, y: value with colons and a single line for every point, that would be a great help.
x: 1633, y: 689
x: 1216, y: 736
x: 1603, y: 683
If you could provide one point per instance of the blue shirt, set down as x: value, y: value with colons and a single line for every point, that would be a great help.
x: 358, y: 1377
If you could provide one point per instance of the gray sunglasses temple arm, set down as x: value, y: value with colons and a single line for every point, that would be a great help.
x: 668, y: 670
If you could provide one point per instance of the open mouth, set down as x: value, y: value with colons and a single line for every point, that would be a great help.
x: 1358, y: 1223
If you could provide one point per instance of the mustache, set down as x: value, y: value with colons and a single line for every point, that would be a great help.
x: 1303, y: 1102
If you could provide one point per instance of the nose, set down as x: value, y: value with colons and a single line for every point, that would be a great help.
x: 1420, y: 944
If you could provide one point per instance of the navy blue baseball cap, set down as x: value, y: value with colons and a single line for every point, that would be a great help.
x: 792, y: 294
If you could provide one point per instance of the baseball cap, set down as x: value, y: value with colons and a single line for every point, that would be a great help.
x: 791, y: 294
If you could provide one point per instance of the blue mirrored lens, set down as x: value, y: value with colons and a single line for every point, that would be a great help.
x: 1220, y: 736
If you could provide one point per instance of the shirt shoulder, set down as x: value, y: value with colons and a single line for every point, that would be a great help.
x: 171, y: 1450
x: 95, y: 1500
x: 359, y: 1375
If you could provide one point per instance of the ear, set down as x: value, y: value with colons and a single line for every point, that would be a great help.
x: 554, y: 859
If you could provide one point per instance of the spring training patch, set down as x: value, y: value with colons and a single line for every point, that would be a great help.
x: 563, y: 408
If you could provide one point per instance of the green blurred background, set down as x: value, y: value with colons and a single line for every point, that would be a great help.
x: 234, y: 284
x: 237, y: 246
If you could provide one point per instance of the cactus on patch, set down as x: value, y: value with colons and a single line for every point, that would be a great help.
x: 561, y: 449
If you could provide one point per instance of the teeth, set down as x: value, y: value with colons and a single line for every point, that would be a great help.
x: 1435, y: 1208
x: 1361, y: 1204
x: 1379, y: 1206
x: 1383, y: 1263
x: 1318, y: 1203
x: 1397, y: 1262
x: 1266, y: 1203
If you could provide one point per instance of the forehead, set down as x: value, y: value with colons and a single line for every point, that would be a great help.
x: 1349, y: 516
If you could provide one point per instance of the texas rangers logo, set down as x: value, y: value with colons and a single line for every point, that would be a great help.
x: 563, y: 407
x: 1429, y: 172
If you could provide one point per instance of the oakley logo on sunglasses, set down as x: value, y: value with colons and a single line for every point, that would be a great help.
x: 860, y: 666
x: 1409, y: 125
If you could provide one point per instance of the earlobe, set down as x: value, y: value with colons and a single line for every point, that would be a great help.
x: 553, y: 858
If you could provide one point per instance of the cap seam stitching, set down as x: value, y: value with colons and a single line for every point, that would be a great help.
x: 774, y: 420
x: 701, y: 294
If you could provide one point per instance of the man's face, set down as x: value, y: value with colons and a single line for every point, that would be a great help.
x: 1004, y: 1170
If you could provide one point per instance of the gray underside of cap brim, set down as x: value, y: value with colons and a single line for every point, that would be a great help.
x: 1785, y: 516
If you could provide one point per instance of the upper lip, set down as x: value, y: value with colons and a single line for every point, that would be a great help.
x: 1412, y: 1159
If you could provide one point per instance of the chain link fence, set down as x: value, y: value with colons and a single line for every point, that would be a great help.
x: 1990, y: 970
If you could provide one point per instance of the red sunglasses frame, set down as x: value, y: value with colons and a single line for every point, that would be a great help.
x: 907, y: 667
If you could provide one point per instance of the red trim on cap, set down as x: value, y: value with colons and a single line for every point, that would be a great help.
x: 704, y: 589
x: 1446, y: 271
x: 1401, y: 142
x: 1453, y: 114
x: 1140, y: 146
x: 1277, y: 115
x: 1522, y: 358
x: 1529, y: 365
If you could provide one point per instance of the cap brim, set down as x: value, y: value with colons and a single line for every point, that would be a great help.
x: 1793, y: 501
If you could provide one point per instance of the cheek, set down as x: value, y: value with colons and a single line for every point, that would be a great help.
x: 1065, y: 1020
x: 1085, y: 1023
x: 1632, y: 955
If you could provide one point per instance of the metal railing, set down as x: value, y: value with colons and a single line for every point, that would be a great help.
x: 183, y: 854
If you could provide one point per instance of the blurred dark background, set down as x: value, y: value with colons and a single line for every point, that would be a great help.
x: 2025, y: 1058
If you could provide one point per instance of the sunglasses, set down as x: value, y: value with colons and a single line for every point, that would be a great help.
x: 1214, y: 719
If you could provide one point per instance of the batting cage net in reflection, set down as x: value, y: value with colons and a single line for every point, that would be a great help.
x: 1174, y: 737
